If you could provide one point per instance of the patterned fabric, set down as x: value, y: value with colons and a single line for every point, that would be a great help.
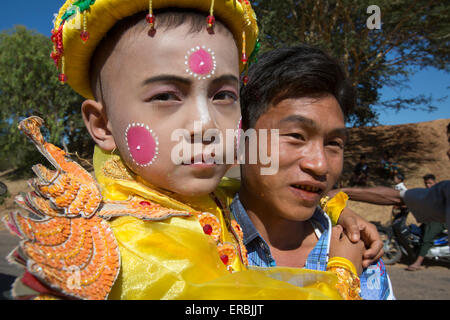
x: 375, y: 282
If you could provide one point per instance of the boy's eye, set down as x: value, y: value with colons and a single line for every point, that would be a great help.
x: 166, y: 96
x: 225, y: 97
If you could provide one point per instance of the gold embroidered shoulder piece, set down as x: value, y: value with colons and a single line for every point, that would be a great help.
x: 65, y: 246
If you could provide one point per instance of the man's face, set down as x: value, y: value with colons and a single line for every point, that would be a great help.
x: 311, y: 145
x: 156, y: 85
x: 429, y: 183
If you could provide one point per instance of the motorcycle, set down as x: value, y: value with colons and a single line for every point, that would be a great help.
x: 3, y: 189
x: 402, y: 240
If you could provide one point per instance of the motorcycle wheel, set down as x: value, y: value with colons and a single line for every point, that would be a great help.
x: 392, y: 251
x: 3, y: 189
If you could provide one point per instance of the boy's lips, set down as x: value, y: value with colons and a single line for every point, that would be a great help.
x: 201, y: 161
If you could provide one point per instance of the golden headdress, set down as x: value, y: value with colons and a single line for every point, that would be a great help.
x: 81, y: 25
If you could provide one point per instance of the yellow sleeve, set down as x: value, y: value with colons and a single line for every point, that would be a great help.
x: 334, y: 207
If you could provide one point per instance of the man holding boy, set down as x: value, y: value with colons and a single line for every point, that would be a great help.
x: 304, y: 94
x: 146, y: 227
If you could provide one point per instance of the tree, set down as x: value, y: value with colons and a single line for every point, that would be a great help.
x: 29, y: 85
x: 414, y: 34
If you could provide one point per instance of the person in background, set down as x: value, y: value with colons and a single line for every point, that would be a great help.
x: 361, y: 172
x: 430, y: 231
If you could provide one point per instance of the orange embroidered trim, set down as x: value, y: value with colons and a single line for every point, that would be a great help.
x: 114, y: 168
x: 65, y: 244
x: 70, y: 188
x: 84, y: 267
x: 227, y: 253
x: 46, y: 297
x: 348, y: 283
x: 139, y: 208
x: 211, y: 225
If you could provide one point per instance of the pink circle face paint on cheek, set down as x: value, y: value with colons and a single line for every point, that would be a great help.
x: 142, y: 144
x: 200, y: 62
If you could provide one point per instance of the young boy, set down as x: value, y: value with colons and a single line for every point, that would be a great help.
x: 304, y: 94
x: 149, y: 227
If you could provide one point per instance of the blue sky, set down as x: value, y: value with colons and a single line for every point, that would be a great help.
x: 38, y: 15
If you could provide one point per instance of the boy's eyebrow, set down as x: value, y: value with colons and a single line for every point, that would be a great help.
x: 166, y: 78
x: 226, y: 78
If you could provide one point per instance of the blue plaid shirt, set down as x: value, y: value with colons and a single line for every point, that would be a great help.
x: 375, y: 282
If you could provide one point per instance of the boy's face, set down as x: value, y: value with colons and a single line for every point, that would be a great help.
x: 150, y: 83
x: 311, y: 145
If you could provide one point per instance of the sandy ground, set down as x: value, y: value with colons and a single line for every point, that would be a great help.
x: 418, y: 148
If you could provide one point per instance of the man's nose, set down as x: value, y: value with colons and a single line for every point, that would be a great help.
x: 314, y: 160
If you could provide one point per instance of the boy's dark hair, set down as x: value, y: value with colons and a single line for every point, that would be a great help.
x: 429, y: 177
x: 400, y: 177
x: 448, y: 128
x: 363, y: 156
x: 295, y: 72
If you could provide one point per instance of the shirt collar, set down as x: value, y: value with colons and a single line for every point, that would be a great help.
x: 250, y: 232
x: 241, y: 216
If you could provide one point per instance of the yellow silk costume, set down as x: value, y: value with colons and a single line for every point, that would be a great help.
x: 175, y: 259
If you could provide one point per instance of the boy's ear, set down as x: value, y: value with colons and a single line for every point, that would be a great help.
x: 96, y: 122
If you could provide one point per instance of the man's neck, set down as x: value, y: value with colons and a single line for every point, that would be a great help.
x: 285, y: 237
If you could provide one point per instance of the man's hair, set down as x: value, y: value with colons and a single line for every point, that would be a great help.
x: 166, y: 19
x: 448, y: 128
x: 363, y: 156
x: 295, y: 72
x: 429, y: 177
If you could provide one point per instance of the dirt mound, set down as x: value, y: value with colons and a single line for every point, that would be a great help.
x: 418, y: 148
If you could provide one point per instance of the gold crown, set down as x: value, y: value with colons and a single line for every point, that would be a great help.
x: 81, y: 25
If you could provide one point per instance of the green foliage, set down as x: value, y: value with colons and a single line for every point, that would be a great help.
x: 29, y: 85
x: 414, y: 34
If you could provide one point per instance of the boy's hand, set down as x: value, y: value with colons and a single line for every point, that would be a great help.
x: 356, y: 228
x: 341, y: 246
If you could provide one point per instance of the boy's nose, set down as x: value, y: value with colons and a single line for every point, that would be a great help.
x: 199, y: 118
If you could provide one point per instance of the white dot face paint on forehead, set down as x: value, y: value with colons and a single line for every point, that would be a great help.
x: 200, y: 62
x: 142, y: 144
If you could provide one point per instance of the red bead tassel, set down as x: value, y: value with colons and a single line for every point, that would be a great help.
x: 84, y: 34
x: 150, y: 17
x: 244, y: 55
x: 210, y: 20
x: 62, y: 76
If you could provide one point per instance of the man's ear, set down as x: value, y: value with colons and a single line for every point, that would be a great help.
x: 96, y: 122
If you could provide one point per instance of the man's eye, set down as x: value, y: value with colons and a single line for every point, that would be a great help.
x: 225, y: 97
x: 336, y: 143
x: 165, y: 97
